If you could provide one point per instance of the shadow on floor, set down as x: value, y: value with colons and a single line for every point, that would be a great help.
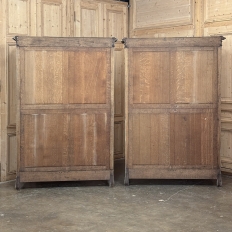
x: 119, y: 171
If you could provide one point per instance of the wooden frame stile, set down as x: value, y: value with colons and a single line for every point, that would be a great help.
x: 91, y: 157
x: 219, y: 69
x: 1, y: 70
x: 126, y: 179
x: 111, y: 181
x: 18, y: 184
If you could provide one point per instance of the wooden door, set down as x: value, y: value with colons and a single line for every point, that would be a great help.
x: 52, y: 18
x: 88, y: 19
x: 65, y: 109
x: 172, y: 124
x: 115, y: 21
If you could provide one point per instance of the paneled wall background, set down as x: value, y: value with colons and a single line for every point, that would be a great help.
x: 159, y: 18
x: 58, y: 18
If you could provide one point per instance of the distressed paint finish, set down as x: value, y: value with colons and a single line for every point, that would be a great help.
x: 66, y: 109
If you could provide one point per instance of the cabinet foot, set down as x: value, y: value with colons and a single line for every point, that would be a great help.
x: 18, y: 184
x: 126, y: 179
x: 219, y: 180
x: 111, y: 180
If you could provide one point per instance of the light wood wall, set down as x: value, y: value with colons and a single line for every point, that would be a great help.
x: 190, y: 18
x: 58, y: 18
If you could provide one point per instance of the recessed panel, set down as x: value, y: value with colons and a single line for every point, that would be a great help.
x: 59, y: 77
x: 193, y: 76
x: 218, y: 10
x: 151, y: 77
x: 51, y: 19
x: 226, y: 74
x: 18, y: 15
x: 61, y: 140
x: 150, y: 139
x: 89, y: 23
x: 115, y: 24
x: 12, y: 84
x: 156, y: 13
x: 226, y: 141
x: 192, y: 139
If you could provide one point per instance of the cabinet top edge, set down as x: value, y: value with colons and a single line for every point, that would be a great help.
x: 215, y: 41
x: 37, y: 41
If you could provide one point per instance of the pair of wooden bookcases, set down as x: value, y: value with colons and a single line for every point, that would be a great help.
x: 65, y: 122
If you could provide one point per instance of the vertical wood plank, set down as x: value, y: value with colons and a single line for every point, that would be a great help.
x: 195, y: 140
x: 145, y: 139
x: 151, y: 77
x: 102, y: 140
x: 135, y: 140
x: 160, y: 139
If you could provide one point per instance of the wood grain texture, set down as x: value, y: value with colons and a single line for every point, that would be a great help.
x: 53, y: 136
x: 115, y: 20
x: 87, y: 19
x: 151, y: 77
x: 173, y: 173
x: 173, y: 109
x: 45, y: 18
x: 64, y: 140
x: 217, y: 10
x: 209, y: 18
x: 218, y: 21
x: 23, y: 41
x: 192, y: 139
x: 84, y: 68
x: 64, y: 176
x: 161, y: 13
x: 23, y: 17
x: 150, y: 136
x: 19, y: 24
x: 174, y: 42
x: 193, y: 80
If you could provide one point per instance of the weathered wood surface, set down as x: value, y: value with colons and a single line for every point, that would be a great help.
x: 80, y: 136
x: 53, y: 18
x: 106, y: 19
x: 174, y: 42
x: 188, y: 18
x: 63, y: 42
x: 173, y: 102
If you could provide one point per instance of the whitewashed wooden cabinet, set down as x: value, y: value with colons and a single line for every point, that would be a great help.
x: 57, y: 18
